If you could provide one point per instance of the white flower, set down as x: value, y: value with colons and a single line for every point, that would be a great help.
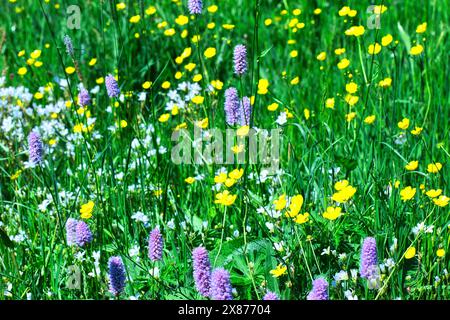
x: 140, y: 216
x: 282, y: 118
x: 349, y: 295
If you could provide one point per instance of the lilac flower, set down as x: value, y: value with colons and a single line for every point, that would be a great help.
x: 240, y: 59
x: 270, y: 296
x: 155, y: 245
x: 116, y: 275
x: 220, y: 285
x: 231, y: 106
x: 71, y: 231
x: 319, y: 290
x: 202, y: 270
x: 83, y: 234
x: 369, y: 259
x: 36, y: 149
x: 84, y: 99
x: 69, y: 45
x: 111, y: 86
x: 195, y: 6
x: 244, y: 112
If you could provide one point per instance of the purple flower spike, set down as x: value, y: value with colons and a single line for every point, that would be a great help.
x: 83, y: 234
x: 369, y: 259
x: 202, y: 270
x: 155, y: 245
x: 36, y: 150
x: 220, y: 285
x: 71, y: 231
x: 84, y: 99
x: 240, y: 59
x: 231, y: 106
x: 116, y: 275
x: 195, y: 6
x: 111, y: 86
x: 245, y: 112
x: 270, y: 296
x: 319, y: 290
x: 69, y: 45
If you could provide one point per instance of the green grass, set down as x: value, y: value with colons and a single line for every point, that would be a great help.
x: 369, y: 156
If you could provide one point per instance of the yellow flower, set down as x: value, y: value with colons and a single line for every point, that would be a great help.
x: 228, y: 26
x: 416, y: 131
x: 322, y: 56
x: 351, y: 87
x: 350, y: 116
x: 407, y: 193
x: 410, y: 253
x: 302, y: 218
x: 22, y: 71
x: 374, y: 48
x: 197, y: 78
x: 412, y: 165
x: 38, y: 96
x: 165, y: 85
x: 135, y: 19
x: 440, y: 252
x: 273, y: 107
x: 317, y: 11
x: 16, y: 175
x: 225, y: 198
x: 86, y: 210
x: 121, y: 6
x: 243, y: 131
x: 442, y: 201
x: 332, y: 213
x: 210, y: 52
x: 329, y: 103
x: 370, y: 119
x: 169, y: 32
x: 237, y: 148
x: 432, y: 193
x: 295, y: 206
x: 341, y: 185
x: 268, y: 22
x: 220, y: 178
x: 344, y: 11
x: 339, y: 51
x: 190, y: 66
x: 35, y: 54
x: 150, y: 10
x: 344, y: 195
x: 294, y: 53
x: 355, y: 31
x: 123, y: 124
x: 385, y: 83
x: 146, y: 85
x: 70, y: 70
x: 404, y: 124
x: 189, y: 180
x: 280, y: 203
x: 351, y: 99
x: 217, y: 84
x: 421, y: 28
x: 229, y: 182
x: 379, y: 9
x: 344, y: 63
x: 236, y: 174
x: 278, y: 271
x: 164, y: 117
x: 434, y: 167
x: 306, y: 113
x: 181, y: 20
x: 386, y: 40
x: 295, y: 81
x: 212, y: 9
x: 198, y: 99
x: 263, y: 85
x: 100, y: 80
x: 416, y: 50
x: 202, y: 123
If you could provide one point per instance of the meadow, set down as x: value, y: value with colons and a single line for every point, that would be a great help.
x: 95, y: 203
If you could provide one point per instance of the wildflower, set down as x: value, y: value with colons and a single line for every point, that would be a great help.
x: 416, y: 50
x: 231, y: 105
x: 202, y: 270
x: 329, y: 103
x: 370, y: 119
x: 295, y: 206
x: 244, y: 112
x: 432, y: 193
x: 442, y: 201
x: 116, y: 275
x: 386, y: 40
x: 84, y: 99
x: 385, y: 83
x: 240, y: 59
x: 195, y: 6
x: 111, y: 86
x: 351, y: 87
x: 236, y: 174
x: 155, y: 245
x: 332, y: 213
x: 412, y: 165
x: 270, y: 296
x: 71, y: 231
x: 35, y: 147
x: 416, y: 131
x: 210, y: 52
x: 404, y: 124
x: 83, y: 234
x: 22, y: 71
x: 86, y: 210
x: 421, y: 28
x: 407, y: 193
x: 322, y: 56
x: 225, y: 198
x: 344, y: 63
x: 263, y: 85
x: 190, y: 180
x: 220, y: 285
x: 319, y: 290
x: 434, y: 167
x: 278, y: 271
x: 440, y: 252
x: 369, y: 258
x: 280, y: 203
x: 410, y: 253
x: 69, y: 45
x: 374, y: 48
